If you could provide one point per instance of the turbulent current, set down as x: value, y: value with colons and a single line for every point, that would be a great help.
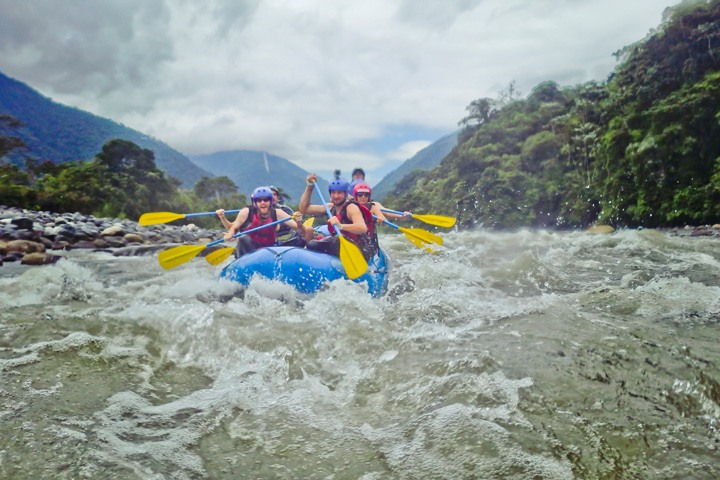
x: 523, y: 355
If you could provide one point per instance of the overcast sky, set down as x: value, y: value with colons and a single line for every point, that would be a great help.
x: 324, y: 83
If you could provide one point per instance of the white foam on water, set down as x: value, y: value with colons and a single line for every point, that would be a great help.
x: 463, y: 441
x: 677, y: 297
x: 404, y: 379
x: 76, y: 341
x: 65, y: 280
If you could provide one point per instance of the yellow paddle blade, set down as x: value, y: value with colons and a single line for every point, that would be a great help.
x: 422, y: 235
x: 352, y: 259
x: 154, y: 218
x: 437, y: 220
x: 175, y: 256
x: 418, y: 243
x: 309, y: 222
x: 219, y: 256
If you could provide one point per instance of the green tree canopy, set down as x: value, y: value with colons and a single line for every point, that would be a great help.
x: 208, y: 189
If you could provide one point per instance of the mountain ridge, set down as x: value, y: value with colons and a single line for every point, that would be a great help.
x: 426, y: 159
x: 61, y: 133
x: 250, y: 169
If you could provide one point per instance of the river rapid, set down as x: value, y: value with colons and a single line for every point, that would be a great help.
x: 515, y: 355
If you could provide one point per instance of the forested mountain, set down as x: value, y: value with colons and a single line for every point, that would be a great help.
x: 426, y: 159
x: 56, y: 132
x: 641, y: 149
x: 250, y: 169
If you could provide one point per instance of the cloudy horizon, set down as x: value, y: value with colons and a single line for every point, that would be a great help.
x: 324, y: 84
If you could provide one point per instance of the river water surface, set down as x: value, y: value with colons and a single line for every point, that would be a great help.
x: 525, y: 355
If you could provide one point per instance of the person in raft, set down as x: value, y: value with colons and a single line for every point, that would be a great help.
x: 261, y: 212
x: 357, y: 176
x: 354, y: 221
x: 362, y: 194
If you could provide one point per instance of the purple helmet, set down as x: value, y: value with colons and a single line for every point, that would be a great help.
x: 262, y: 192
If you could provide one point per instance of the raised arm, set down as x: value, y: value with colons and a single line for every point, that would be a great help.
x: 304, y: 206
x: 221, y: 215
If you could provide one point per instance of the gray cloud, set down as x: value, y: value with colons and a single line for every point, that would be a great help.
x: 89, y: 46
x: 318, y: 82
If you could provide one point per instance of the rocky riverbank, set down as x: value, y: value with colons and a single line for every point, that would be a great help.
x: 39, y: 238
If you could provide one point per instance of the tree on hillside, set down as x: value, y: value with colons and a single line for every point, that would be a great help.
x: 135, y: 184
x: 9, y: 143
x: 209, y: 189
x: 125, y: 157
x: 479, y: 112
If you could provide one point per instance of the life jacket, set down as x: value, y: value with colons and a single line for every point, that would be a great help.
x: 265, y: 237
x: 366, y: 242
x: 369, y: 206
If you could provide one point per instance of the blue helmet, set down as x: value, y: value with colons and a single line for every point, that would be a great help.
x: 338, y: 184
x: 262, y: 192
x: 351, y: 185
x: 323, y: 230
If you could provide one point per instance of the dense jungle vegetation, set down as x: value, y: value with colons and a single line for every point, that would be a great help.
x: 642, y: 149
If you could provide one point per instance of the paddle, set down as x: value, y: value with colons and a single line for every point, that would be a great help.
x: 176, y: 256
x: 219, y: 256
x: 437, y: 220
x: 350, y: 256
x: 154, y: 218
x: 418, y: 236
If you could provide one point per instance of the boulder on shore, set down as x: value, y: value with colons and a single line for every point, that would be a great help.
x: 29, y: 236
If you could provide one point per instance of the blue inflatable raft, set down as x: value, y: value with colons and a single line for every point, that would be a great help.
x: 305, y: 270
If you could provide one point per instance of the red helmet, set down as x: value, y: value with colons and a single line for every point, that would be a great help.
x: 360, y: 188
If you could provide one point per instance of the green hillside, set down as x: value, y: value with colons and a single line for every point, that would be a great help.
x: 56, y: 132
x: 426, y: 159
x: 641, y: 149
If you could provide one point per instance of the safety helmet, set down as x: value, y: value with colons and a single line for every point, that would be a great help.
x: 361, y: 187
x: 338, y: 184
x: 262, y: 192
x: 322, y: 230
x: 273, y: 189
x: 358, y: 170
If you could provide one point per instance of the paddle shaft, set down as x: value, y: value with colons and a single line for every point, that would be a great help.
x: 437, y: 220
x: 418, y: 233
x: 388, y: 222
x: 240, y: 234
x: 187, y: 215
x: 393, y: 211
x: 350, y: 255
x: 327, y: 210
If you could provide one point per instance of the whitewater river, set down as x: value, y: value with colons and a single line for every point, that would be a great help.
x: 525, y: 355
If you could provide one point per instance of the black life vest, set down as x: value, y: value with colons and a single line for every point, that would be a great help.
x: 366, y: 242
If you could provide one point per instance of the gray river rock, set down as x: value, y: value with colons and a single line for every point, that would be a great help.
x: 39, y: 238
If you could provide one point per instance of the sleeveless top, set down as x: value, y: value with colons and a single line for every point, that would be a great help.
x: 262, y: 238
x: 366, y: 242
